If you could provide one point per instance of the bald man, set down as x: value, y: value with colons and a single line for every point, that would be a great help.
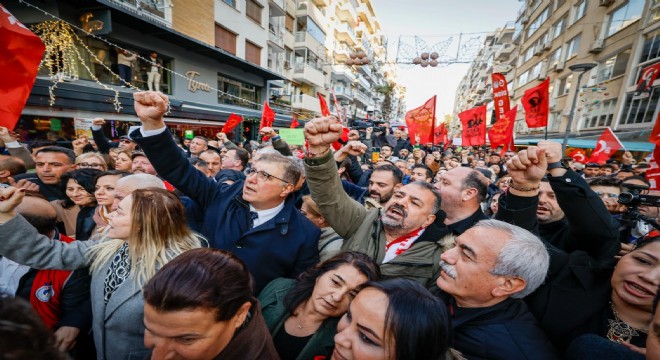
x: 463, y: 190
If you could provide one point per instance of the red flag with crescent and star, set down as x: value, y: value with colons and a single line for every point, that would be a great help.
x: 22, y: 52
x: 536, y: 102
x: 420, y: 121
x: 606, y: 146
x: 647, y: 77
x: 578, y: 155
x: 231, y: 123
x: 474, y: 126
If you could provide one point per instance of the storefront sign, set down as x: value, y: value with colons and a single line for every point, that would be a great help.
x: 83, y: 127
x: 194, y: 85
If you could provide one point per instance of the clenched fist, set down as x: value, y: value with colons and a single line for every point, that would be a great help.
x: 320, y: 133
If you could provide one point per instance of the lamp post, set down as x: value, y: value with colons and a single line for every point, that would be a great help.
x: 582, y: 68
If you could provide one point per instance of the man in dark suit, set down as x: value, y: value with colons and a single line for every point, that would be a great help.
x: 255, y: 219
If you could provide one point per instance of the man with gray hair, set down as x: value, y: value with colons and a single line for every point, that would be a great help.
x: 492, y: 266
x: 127, y: 184
x: 255, y: 219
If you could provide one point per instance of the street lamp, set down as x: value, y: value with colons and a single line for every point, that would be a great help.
x: 582, y: 68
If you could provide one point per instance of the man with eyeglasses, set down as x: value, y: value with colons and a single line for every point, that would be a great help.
x: 608, y: 189
x: 255, y: 218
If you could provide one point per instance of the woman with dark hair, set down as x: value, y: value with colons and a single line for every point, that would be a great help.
x: 147, y: 231
x: 394, y: 319
x: 302, y: 314
x: 622, y: 326
x: 200, y: 306
x: 77, y: 210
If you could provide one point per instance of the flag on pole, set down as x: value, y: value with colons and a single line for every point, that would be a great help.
x: 440, y: 135
x: 325, y: 111
x: 337, y: 108
x: 267, y: 116
x: 500, y: 96
x: 502, y: 132
x: 22, y: 52
x: 420, y: 121
x: 536, y: 102
x: 294, y: 122
x: 578, y: 155
x: 474, y: 126
x: 231, y: 123
x: 606, y: 146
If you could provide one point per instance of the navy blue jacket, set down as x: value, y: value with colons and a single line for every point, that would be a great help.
x: 285, y: 246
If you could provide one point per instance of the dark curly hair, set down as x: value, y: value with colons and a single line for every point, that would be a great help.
x: 83, y: 177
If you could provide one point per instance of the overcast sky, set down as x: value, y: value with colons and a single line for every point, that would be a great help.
x: 433, y: 20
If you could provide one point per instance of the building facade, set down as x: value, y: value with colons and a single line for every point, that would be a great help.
x: 620, y: 37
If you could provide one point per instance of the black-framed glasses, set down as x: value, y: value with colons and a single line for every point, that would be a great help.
x: 263, y: 176
x: 90, y: 165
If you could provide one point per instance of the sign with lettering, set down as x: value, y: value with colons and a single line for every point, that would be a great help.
x: 194, y: 85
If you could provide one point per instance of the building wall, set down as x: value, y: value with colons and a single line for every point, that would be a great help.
x: 236, y: 20
x: 194, y: 18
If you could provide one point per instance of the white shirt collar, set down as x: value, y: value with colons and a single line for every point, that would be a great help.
x: 266, y: 215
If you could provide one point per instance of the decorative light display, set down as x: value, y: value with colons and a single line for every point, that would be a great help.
x: 421, y: 54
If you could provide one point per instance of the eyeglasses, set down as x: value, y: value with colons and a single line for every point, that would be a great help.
x: 90, y: 165
x: 606, y: 195
x: 263, y: 176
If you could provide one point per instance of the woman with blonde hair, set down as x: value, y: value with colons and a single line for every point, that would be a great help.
x: 147, y: 231
x: 91, y: 160
x: 124, y: 161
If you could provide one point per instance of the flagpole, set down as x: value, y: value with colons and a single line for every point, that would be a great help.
x: 546, y: 130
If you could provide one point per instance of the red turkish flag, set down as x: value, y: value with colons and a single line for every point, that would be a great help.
x: 440, y: 135
x: 267, y: 116
x: 536, y: 102
x: 606, y: 145
x: 231, y: 123
x: 474, y: 126
x: 22, y: 52
x: 294, y: 122
x: 324, y: 106
x: 502, y: 132
x: 420, y: 121
x: 578, y: 155
x: 647, y: 77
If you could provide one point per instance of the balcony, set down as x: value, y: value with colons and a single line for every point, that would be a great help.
x: 345, y: 12
x: 321, y: 3
x: 342, y: 53
x: 309, y: 9
x: 362, y: 97
x: 305, y: 102
x: 276, y: 38
x: 345, y: 33
x: 504, y: 52
x: 366, y: 16
x: 362, y: 81
x: 276, y: 8
x: 309, y: 75
x: 343, y: 73
x: 342, y: 92
x: 304, y: 40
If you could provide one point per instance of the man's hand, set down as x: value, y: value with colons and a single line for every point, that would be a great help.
x: 9, y: 199
x: 268, y: 132
x: 355, y: 148
x: 6, y: 136
x: 65, y: 337
x: 98, y: 121
x: 369, y: 133
x: 222, y: 137
x: 320, y: 133
x: 527, y: 168
x: 23, y: 184
x: 553, y: 153
x: 627, y: 158
x: 150, y: 107
x: 353, y: 135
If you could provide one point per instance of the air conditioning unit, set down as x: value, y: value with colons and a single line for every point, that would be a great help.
x: 547, y: 45
x: 605, y: 2
x: 538, y: 50
x: 559, y: 66
x: 597, y: 46
x: 524, y: 20
x: 287, y: 65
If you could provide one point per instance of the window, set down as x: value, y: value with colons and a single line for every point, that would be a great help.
x: 553, y: 59
x: 252, y: 53
x: 602, y: 115
x: 536, y: 24
x: 236, y: 89
x: 289, y: 22
x: 305, y: 24
x: 624, y: 16
x: 579, y: 10
x: 573, y: 46
x: 559, y: 27
x: 253, y: 10
x: 522, y: 79
x: 231, y: 3
x: 614, y: 66
x: 225, y: 39
x: 564, y: 85
x: 640, y: 110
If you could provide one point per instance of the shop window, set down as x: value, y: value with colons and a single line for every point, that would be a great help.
x: 234, y: 91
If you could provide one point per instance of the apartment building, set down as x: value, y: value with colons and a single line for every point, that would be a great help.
x: 621, y: 37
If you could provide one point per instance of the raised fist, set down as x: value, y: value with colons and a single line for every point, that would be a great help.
x: 98, y: 121
x: 355, y: 148
x: 528, y: 167
x: 553, y: 151
x: 322, y: 132
x: 268, y: 131
x: 150, y: 107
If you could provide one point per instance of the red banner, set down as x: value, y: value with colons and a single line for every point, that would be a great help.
x: 232, y: 122
x: 267, y: 116
x: 502, y: 132
x: 22, y: 52
x: 324, y: 106
x: 655, y: 133
x: 294, y: 122
x: 440, y: 134
x: 653, y: 173
x: 578, y: 155
x: 606, y: 145
x: 647, y: 77
x: 474, y: 126
x: 536, y: 102
x: 500, y: 96
x: 420, y: 122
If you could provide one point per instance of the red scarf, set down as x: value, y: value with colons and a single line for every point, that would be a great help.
x: 402, y: 243
x: 46, y: 292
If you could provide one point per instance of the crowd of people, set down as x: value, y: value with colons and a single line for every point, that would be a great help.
x: 373, y: 248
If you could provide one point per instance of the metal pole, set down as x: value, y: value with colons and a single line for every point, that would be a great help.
x: 570, y: 119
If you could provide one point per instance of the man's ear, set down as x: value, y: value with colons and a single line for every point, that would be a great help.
x: 4, y: 174
x: 397, y: 186
x: 507, y: 286
x: 286, y: 190
x: 469, y: 194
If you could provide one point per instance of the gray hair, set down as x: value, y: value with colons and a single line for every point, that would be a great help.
x: 291, y: 169
x: 523, y: 256
x: 141, y: 181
